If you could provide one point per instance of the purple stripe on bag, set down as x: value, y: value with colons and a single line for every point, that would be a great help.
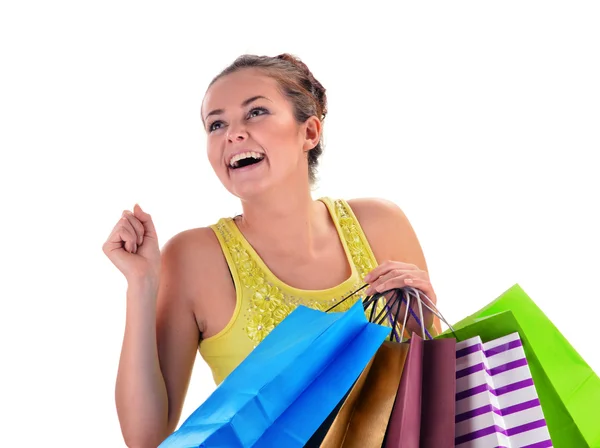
x: 508, y: 366
x: 470, y: 370
x: 497, y: 392
x: 490, y: 352
x: 497, y: 429
x: 544, y: 444
x: 520, y: 407
x: 495, y: 371
x: 502, y: 412
x: 503, y: 348
x: 475, y: 412
x: 468, y: 350
x: 526, y: 427
x: 478, y: 434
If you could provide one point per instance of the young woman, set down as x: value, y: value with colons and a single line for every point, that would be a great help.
x: 223, y: 288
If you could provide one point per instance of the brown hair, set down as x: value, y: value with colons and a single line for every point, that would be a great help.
x: 306, y: 94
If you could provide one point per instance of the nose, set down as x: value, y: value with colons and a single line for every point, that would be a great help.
x: 236, y: 134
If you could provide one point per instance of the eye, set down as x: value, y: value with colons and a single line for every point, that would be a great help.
x: 256, y: 111
x: 213, y: 125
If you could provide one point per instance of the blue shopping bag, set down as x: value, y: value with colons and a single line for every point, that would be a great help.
x: 288, y: 385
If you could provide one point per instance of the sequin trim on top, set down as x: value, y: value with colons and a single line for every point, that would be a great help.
x: 360, y: 255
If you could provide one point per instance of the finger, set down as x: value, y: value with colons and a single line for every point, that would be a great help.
x: 137, y: 226
x: 114, y: 235
x: 146, y: 220
x: 396, y: 282
x: 128, y: 235
x: 403, y: 273
x: 392, y: 281
x: 387, y: 266
x: 384, y: 278
x: 120, y: 238
x: 380, y: 270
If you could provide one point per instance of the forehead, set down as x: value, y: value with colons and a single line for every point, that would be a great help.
x: 231, y: 90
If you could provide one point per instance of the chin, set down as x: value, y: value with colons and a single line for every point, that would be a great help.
x: 255, y: 183
x: 248, y: 189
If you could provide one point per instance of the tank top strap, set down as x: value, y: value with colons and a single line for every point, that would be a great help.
x: 242, y: 264
x: 363, y: 257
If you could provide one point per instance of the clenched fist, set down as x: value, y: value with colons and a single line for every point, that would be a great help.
x: 133, y: 247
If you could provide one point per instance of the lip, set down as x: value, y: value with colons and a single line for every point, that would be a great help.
x: 241, y: 151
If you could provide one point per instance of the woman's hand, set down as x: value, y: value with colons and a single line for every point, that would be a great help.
x: 133, y: 248
x: 395, y: 274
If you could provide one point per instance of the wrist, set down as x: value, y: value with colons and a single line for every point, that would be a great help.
x: 141, y: 303
x: 142, y: 283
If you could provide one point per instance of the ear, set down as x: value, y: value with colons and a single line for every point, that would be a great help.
x: 312, y: 133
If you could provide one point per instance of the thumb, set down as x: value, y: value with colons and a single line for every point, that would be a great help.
x: 137, y: 209
x: 146, y: 221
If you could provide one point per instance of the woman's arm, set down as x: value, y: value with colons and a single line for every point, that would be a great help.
x: 159, y: 349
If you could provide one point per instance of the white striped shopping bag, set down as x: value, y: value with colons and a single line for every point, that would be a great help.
x: 496, y: 401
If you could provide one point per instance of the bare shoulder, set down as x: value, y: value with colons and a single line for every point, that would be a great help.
x: 181, y: 257
x: 192, y: 246
x: 202, y: 274
x: 378, y: 212
x: 194, y: 253
x: 382, y: 217
x: 389, y: 231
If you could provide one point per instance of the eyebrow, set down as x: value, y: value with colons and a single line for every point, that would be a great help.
x: 244, y: 104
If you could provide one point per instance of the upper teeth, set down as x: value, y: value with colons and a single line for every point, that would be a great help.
x: 244, y: 155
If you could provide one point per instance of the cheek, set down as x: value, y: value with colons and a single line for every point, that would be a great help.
x: 214, y: 154
x: 278, y: 136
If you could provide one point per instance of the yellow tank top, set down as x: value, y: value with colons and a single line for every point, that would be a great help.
x: 263, y: 301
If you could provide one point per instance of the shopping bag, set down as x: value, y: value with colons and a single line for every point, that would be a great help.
x: 423, y: 414
x: 404, y: 428
x: 351, y: 397
x: 438, y: 386
x: 568, y: 389
x: 364, y: 415
x: 363, y: 419
x: 423, y: 410
x: 288, y: 385
x: 496, y: 400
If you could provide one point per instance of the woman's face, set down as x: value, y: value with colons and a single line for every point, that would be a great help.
x: 254, y: 142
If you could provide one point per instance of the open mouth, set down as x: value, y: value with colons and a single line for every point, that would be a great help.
x: 245, y: 159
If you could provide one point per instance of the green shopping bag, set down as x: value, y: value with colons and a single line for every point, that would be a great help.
x: 568, y: 388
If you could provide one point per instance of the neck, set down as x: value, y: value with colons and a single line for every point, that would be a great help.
x: 287, y: 220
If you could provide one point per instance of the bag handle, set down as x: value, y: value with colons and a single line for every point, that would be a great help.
x: 408, y: 293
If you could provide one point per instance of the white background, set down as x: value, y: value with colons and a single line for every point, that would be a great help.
x: 480, y: 120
